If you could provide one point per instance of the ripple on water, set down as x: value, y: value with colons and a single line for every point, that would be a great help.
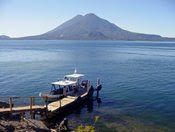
x: 137, y: 77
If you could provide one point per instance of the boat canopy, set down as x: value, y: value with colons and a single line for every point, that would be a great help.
x: 64, y: 83
x: 75, y: 75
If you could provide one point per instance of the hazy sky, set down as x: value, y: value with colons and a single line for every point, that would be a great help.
x: 32, y: 17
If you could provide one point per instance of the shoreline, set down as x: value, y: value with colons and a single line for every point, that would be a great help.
x: 16, y: 123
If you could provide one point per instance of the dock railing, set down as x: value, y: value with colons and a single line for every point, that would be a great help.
x: 18, y: 101
x: 22, y: 104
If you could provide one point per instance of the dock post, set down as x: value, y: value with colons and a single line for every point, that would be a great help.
x: 98, y: 81
x: 10, y: 103
x: 60, y: 103
x: 88, y: 85
x: 46, y: 101
x: 31, y: 103
x: 97, y: 94
x: 33, y: 112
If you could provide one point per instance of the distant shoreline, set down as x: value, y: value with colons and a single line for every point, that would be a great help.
x: 152, y: 41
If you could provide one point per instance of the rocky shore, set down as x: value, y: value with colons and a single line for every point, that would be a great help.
x: 16, y: 124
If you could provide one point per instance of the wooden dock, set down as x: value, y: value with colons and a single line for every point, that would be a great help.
x: 33, y: 108
x: 60, y: 103
x: 44, y: 108
x: 56, y: 105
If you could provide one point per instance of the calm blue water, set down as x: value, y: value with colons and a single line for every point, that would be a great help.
x: 138, y: 77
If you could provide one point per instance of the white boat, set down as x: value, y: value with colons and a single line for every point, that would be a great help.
x: 71, y: 85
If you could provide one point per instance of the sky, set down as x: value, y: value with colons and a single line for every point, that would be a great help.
x: 20, y: 18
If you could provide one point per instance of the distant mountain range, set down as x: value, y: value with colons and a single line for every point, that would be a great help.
x: 90, y: 27
x: 4, y: 37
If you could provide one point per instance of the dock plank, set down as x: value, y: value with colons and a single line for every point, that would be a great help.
x: 22, y: 108
x: 56, y: 105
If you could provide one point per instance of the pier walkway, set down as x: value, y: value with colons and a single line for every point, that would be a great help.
x: 32, y: 107
x: 60, y: 103
x: 21, y: 109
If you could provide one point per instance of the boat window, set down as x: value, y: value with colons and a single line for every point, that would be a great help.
x: 53, y: 87
x: 57, y: 91
x: 70, y: 88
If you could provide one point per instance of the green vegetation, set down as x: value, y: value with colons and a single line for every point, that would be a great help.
x: 85, y: 129
x: 88, y: 128
x: 107, y: 123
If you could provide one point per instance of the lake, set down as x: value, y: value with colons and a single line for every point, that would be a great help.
x: 138, y: 77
